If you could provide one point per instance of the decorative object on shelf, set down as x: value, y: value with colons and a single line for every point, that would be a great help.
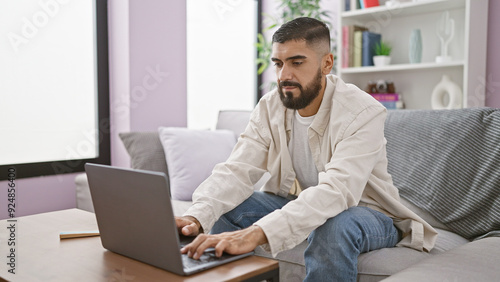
x: 380, y: 86
x: 382, y: 51
x: 445, y: 32
x: 390, y: 87
x: 391, y: 3
x: 385, y: 92
x: 446, y: 95
x: 415, y: 47
x: 371, y: 87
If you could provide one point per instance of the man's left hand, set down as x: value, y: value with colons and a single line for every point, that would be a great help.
x: 235, y: 243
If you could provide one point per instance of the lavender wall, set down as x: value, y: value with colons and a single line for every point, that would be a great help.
x: 493, y: 56
x: 147, y: 68
x: 40, y: 194
x: 157, y: 64
x: 119, y: 77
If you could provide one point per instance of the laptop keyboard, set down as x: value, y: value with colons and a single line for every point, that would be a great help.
x: 204, y: 259
x: 207, y: 257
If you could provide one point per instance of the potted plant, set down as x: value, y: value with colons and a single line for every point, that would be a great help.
x: 382, y: 51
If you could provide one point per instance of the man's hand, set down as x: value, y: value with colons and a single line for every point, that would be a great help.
x: 188, y: 225
x: 236, y: 242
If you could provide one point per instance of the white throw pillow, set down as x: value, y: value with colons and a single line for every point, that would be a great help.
x: 191, y: 156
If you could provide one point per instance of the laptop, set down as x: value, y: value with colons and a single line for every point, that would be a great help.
x: 135, y: 219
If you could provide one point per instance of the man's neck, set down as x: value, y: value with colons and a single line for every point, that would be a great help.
x: 313, y: 107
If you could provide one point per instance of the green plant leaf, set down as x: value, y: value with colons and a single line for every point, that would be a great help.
x: 382, y: 49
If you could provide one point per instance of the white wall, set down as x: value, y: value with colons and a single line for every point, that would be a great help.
x: 220, y: 59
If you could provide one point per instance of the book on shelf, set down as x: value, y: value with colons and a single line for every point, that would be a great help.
x: 354, y: 5
x: 358, y: 47
x: 347, y: 5
x: 392, y: 105
x: 348, y: 44
x: 391, y: 101
x: 368, y: 3
x: 369, y: 40
x: 385, y: 96
x: 345, y: 46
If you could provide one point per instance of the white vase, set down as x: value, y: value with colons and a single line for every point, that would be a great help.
x: 380, y: 61
x: 446, y: 95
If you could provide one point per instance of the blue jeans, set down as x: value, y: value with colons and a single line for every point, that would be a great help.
x: 332, y: 253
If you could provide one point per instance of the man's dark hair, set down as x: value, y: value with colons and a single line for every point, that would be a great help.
x: 311, y: 30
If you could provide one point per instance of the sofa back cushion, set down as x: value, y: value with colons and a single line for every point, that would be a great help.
x: 447, y: 162
x: 236, y: 121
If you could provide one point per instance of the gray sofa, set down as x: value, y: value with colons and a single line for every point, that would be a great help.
x: 446, y: 164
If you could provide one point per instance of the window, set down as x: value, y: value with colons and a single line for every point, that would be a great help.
x: 54, y: 86
x: 221, y: 69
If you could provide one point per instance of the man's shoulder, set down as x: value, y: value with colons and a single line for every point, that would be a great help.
x: 349, y: 97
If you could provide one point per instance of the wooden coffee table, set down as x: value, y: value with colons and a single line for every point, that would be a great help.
x: 41, y: 256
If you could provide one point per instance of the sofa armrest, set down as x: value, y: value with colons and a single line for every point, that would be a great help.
x: 83, y: 198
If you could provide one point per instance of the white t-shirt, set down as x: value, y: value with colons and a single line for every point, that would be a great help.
x: 302, y: 160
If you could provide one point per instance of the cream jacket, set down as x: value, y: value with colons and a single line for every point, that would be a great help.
x: 348, y: 146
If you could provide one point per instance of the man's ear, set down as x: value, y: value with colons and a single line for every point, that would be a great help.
x: 327, y: 64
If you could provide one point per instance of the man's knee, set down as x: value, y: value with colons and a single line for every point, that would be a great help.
x: 258, y: 205
x: 360, y: 228
x: 345, y: 225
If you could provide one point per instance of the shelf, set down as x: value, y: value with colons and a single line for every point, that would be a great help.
x: 417, y: 81
x: 401, y: 10
x: 402, y: 67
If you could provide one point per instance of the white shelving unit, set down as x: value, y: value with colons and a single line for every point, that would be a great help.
x: 416, y: 81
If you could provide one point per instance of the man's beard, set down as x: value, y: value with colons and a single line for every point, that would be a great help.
x: 306, y: 96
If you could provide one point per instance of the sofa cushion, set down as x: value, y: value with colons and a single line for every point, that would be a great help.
x: 385, y: 262
x: 446, y: 162
x: 236, y: 121
x: 378, y: 264
x: 145, y: 151
x: 191, y: 156
x: 475, y: 261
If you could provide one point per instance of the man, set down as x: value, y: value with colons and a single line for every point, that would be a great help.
x: 324, y: 136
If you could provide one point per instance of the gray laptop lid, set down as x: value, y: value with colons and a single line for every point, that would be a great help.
x: 135, y: 218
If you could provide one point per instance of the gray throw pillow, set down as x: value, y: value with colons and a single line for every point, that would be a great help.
x: 145, y: 151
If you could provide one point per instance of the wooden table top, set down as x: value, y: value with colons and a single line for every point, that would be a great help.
x: 41, y: 256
